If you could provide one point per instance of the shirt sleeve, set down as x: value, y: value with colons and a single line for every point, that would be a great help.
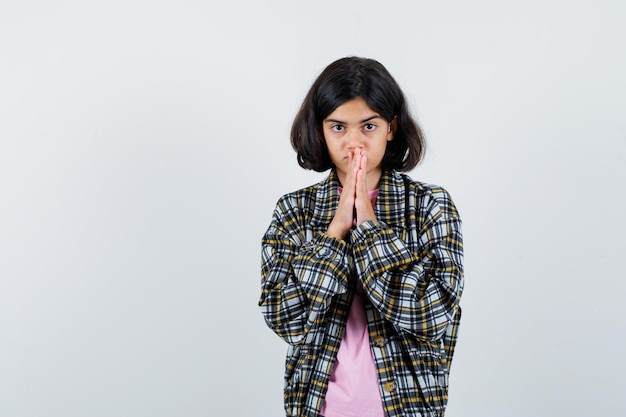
x: 417, y: 288
x: 298, y: 277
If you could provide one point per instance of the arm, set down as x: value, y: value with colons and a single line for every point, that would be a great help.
x: 416, y: 289
x: 298, y: 277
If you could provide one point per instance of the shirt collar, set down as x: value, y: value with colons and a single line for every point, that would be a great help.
x: 390, y: 203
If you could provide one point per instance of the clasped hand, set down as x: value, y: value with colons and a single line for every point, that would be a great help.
x: 354, y: 202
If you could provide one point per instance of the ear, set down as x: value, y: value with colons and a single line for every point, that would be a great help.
x: 393, y: 126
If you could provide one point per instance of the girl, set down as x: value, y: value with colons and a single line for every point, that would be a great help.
x: 362, y: 273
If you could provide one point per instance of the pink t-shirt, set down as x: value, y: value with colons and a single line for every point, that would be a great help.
x: 353, y: 389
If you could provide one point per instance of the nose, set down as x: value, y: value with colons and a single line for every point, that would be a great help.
x: 355, y: 139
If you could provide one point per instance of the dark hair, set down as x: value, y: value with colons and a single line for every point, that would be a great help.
x: 344, y: 80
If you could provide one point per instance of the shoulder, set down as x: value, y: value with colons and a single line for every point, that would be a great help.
x: 302, y: 199
x: 303, y: 194
x: 428, y: 196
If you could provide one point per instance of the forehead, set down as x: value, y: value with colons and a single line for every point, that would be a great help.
x: 354, y: 110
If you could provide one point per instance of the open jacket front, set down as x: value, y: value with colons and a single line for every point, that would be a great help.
x: 410, y: 263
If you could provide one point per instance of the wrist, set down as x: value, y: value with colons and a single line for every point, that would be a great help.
x: 337, y: 231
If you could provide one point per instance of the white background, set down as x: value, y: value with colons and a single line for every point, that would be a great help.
x: 143, y: 145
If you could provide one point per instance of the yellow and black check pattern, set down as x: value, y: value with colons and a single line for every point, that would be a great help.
x: 410, y: 263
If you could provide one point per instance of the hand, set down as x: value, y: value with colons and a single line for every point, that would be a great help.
x: 354, y: 199
x: 363, y: 203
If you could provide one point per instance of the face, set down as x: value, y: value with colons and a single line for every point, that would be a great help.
x: 354, y: 125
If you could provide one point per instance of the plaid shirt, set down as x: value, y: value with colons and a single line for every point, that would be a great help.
x: 410, y: 263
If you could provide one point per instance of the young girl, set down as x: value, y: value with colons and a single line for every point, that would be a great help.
x: 362, y: 273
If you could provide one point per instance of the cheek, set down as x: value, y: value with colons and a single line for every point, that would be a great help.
x: 378, y: 147
x: 376, y: 152
x: 333, y: 151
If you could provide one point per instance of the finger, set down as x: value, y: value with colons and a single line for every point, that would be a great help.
x: 363, y: 176
x: 364, y: 161
x: 353, y: 167
x: 360, y: 156
x: 363, y: 204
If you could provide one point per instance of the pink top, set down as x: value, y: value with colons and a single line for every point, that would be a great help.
x: 353, y: 389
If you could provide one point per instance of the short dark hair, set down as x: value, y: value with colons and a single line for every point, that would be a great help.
x: 343, y: 80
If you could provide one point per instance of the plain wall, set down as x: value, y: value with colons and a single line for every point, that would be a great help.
x: 143, y: 145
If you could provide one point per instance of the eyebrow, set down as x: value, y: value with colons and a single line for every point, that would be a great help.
x: 376, y: 116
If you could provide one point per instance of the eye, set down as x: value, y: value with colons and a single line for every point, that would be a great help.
x: 369, y: 127
x: 337, y: 128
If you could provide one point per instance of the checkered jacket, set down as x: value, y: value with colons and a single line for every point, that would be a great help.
x: 410, y: 263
